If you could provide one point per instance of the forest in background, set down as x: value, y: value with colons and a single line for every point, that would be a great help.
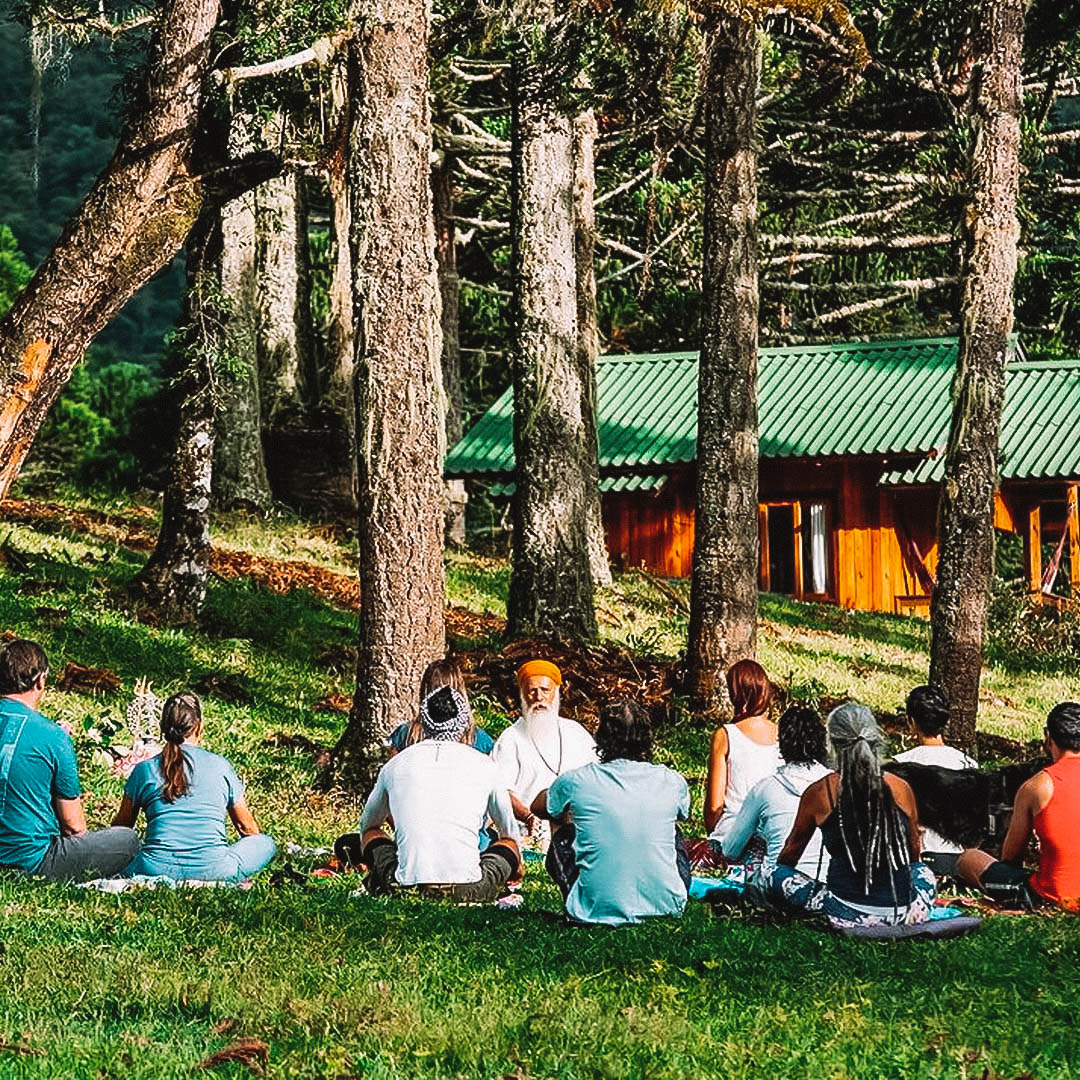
x: 820, y: 178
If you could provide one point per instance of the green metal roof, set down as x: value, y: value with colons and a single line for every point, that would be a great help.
x: 886, y: 397
x: 631, y: 482
x: 1040, y: 427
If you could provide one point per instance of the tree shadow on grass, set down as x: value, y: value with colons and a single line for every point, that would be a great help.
x: 902, y: 631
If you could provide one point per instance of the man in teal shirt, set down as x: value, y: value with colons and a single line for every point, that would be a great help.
x: 617, y: 854
x: 42, y: 825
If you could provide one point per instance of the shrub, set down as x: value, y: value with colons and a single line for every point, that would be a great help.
x: 105, y: 429
x: 1023, y: 635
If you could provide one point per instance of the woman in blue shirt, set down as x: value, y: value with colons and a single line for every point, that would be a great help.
x: 186, y: 793
x: 439, y: 673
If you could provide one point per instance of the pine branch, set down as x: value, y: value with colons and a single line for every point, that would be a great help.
x: 821, y: 128
x: 887, y: 214
x: 822, y: 244
x: 320, y: 53
x: 793, y: 258
x: 858, y: 309
x: 482, y: 224
x: 622, y: 188
x: 641, y: 258
x: 910, y: 285
x: 483, y: 288
x: 482, y: 135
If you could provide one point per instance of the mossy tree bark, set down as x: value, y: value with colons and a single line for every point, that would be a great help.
x: 337, y: 400
x: 239, y: 474
x: 442, y: 184
x: 992, y: 230
x: 588, y: 330
x: 174, y: 578
x: 723, y: 592
x: 551, y: 584
x: 136, y: 217
x: 398, y: 378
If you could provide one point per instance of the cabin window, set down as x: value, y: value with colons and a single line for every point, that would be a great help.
x: 815, y: 546
x: 795, y: 548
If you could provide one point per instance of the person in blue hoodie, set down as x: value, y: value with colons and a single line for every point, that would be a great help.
x: 186, y: 793
x: 769, y: 809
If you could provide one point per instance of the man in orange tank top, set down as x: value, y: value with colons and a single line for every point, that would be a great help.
x: 1048, y: 805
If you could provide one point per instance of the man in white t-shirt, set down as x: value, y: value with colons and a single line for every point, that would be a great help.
x: 438, y: 792
x: 541, y: 745
x: 928, y: 714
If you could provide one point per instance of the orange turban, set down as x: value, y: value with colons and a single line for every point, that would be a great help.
x: 532, y: 668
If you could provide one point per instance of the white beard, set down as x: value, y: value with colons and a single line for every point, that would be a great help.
x: 542, y: 726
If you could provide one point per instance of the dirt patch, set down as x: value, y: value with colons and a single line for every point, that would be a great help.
x: 592, y: 674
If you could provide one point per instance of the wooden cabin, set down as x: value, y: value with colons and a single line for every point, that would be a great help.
x: 852, y: 440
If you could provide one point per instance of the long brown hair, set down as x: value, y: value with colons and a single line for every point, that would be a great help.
x: 181, y: 717
x: 440, y: 673
x: 749, y: 689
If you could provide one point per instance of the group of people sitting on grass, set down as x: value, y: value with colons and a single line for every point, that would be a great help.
x: 185, y: 793
x: 802, y: 815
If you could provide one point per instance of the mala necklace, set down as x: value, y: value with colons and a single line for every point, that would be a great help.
x: 540, y: 755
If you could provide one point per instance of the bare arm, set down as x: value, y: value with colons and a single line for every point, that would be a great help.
x: 716, y: 781
x: 71, y: 817
x: 521, y: 811
x: 126, y: 815
x: 243, y: 819
x: 904, y: 797
x: 1030, y: 799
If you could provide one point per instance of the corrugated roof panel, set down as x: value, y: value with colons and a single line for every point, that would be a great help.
x: 887, y: 397
x: 1041, y: 421
x: 612, y: 484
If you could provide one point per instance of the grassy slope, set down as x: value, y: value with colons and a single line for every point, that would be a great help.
x: 135, y: 986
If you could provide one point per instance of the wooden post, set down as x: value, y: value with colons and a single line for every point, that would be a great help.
x: 1072, y: 515
x: 1033, y: 550
x: 763, y: 545
x: 797, y: 545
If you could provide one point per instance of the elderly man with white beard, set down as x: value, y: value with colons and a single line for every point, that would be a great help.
x: 541, y: 745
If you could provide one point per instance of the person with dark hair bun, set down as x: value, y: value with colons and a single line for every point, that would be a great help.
x: 928, y: 715
x: 616, y: 854
x: 742, y: 752
x: 1047, y: 805
x: 42, y: 824
x: 186, y: 793
x: 768, y: 812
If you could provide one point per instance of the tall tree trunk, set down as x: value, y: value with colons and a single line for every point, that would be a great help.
x: 398, y: 378
x: 723, y: 592
x: 239, y: 474
x: 337, y: 399
x: 442, y: 184
x: 174, y: 578
x: 285, y: 340
x: 551, y: 585
x: 965, y: 516
x: 588, y: 330
x: 137, y: 216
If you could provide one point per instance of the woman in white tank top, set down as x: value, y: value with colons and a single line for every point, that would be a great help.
x: 742, y: 752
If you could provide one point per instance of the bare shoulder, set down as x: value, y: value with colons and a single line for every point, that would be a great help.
x: 719, y: 744
x: 817, y: 793
x: 1037, y: 791
x: 901, y: 790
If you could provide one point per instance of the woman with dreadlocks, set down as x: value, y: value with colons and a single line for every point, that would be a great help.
x: 869, y: 826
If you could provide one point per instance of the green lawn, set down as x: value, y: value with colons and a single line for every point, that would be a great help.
x: 148, y: 985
